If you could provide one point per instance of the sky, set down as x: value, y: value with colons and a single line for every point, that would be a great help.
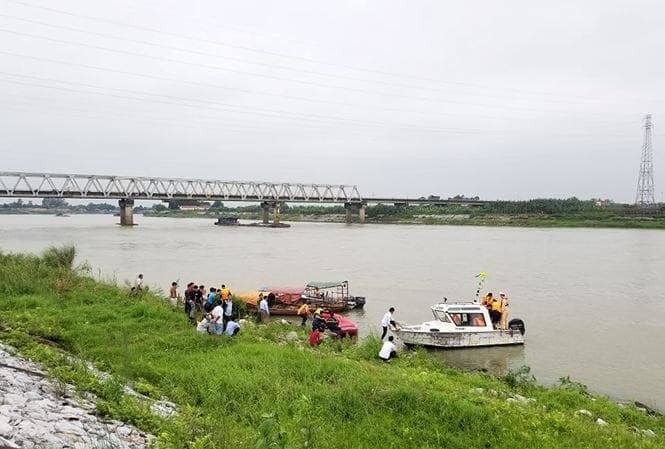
x: 503, y: 100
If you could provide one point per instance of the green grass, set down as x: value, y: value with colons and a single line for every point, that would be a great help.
x: 258, y: 390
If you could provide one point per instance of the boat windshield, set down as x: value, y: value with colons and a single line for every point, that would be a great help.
x: 441, y: 316
x: 468, y: 319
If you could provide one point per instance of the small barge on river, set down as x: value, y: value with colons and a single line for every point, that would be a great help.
x: 461, y: 325
x: 332, y: 295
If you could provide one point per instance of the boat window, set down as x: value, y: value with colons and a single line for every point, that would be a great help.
x: 441, y: 316
x: 468, y: 319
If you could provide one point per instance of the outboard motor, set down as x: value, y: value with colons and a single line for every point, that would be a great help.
x: 517, y: 325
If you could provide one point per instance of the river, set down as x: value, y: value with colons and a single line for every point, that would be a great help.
x: 593, y: 299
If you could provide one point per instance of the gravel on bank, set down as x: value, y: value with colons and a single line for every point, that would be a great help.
x: 36, y: 412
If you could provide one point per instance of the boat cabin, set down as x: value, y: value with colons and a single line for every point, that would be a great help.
x: 461, y: 317
x: 329, y: 291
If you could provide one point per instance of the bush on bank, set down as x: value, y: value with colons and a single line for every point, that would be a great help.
x: 261, y: 390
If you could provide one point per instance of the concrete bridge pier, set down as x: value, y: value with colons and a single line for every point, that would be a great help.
x: 352, y: 209
x: 126, y: 212
x: 271, y: 208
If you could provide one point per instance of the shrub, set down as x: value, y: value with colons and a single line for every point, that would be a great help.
x: 59, y: 257
x: 520, y: 376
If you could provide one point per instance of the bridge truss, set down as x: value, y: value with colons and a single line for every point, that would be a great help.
x: 51, y: 185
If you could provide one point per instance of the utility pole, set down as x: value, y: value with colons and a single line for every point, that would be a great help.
x: 645, y: 192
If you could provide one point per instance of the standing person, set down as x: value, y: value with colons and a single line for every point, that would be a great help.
x: 496, y: 307
x: 210, y: 300
x: 190, y: 308
x: 487, y: 301
x: 217, y: 320
x: 138, y: 285
x: 388, y: 350
x: 200, y: 294
x: 173, y: 294
x: 503, y: 322
x: 224, y: 293
x: 228, y: 310
x: 264, y: 311
x: 188, y: 295
x: 304, y: 312
x: 386, y: 321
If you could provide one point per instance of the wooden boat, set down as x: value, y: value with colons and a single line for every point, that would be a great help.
x: 332, y: 295
x: 461, y: 325
x: 287, y: 300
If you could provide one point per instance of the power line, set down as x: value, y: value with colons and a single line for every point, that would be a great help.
x: 179, y: 121
x: 240, y: 89
x: 234, y: 108
x: 272, y: 53
x: 266, y: 93
x: 262, y: 64
x: 261, y: 75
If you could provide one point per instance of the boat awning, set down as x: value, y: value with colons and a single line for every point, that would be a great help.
x: 325, y: 284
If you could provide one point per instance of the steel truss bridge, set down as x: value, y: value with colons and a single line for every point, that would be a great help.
x: 126, y: 189
x: 51, y: 185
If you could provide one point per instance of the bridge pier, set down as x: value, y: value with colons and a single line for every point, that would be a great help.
x: 126, y: 212
x: 271, y: 207
x: 355, y: 208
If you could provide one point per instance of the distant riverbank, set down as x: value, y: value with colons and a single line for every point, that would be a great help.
x: 519, y: 220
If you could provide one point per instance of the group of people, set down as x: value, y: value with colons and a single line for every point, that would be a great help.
x: 217, y: 314
x: 322, y: 321
x: 498, y: 309
x: 215, y: 305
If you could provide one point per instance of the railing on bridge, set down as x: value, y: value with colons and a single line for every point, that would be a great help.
x: 44, y: 185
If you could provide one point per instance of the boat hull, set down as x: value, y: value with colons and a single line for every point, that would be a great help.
x: 460, y: 339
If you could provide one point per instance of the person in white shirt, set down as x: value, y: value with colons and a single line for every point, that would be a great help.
x: 264, y: 311
x: 228, y: 310
x: 139, y: 282
x: 388, y: 350
x: 232, y: 328
x: 386, y: 321
x: 217, y: 323
x: 203, y: 326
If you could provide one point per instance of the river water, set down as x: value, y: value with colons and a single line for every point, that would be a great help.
x: 593, y: 299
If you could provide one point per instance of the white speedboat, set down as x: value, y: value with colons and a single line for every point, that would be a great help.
x: 461, y: 325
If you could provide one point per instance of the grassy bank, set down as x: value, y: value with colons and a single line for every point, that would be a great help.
x: 260, y: 390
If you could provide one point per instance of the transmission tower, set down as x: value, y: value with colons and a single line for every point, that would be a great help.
x: 645, y: 196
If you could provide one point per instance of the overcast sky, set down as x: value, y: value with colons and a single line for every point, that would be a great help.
x: 511, y: 100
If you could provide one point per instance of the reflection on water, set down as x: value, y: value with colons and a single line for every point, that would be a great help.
x: 497, y: 360
x: 592, y: 299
